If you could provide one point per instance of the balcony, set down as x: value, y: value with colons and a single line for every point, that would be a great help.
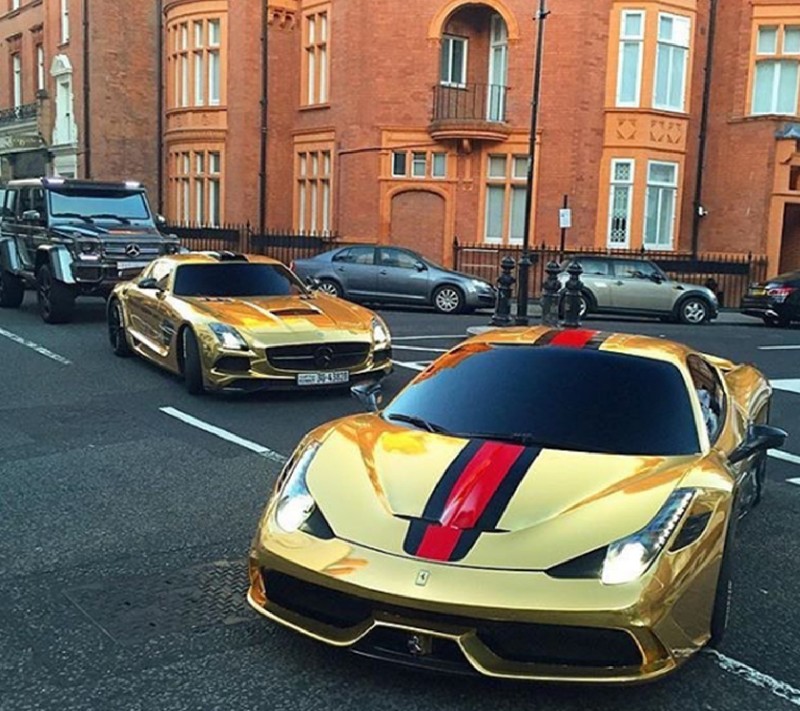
x: 19, y: 114
x: 469, y: 111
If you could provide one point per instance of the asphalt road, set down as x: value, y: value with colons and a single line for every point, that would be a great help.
x: 123, y: 532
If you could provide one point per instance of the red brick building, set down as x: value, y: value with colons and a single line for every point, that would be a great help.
x: 409, y: 123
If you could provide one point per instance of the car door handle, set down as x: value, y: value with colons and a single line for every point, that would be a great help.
x: 339, y: 269
x: 383, y: 271
x: 620, y: 283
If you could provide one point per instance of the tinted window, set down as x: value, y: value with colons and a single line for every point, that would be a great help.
x: 233, y: 280
x: 10, y: 209
x: 598, y: 267
x: 122, y: 205
x: 710, y: 393
x: 398, y: 258
x: 635, y: 268
x: 356, y: 255
x: 582, y: 400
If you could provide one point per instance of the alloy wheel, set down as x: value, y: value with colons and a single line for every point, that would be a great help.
x: 694, y: 311
x: 448, y: 300
x: 328, y: 287
x: 45, y: 286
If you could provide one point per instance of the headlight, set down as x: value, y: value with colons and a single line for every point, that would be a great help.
x: 295, y: 503
x: 480, y: 284
x: 229, y: 337
x: 628, y: 558
x: 88, y: 249
x: 380, y: 334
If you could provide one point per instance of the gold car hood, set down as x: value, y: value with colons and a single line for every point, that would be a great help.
x: 375, y: 483
x: 287, y: 314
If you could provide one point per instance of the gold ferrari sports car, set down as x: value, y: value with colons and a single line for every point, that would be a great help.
x: 537, y: 504
x: 230, y: 321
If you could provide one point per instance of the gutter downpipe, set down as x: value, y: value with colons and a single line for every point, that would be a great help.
x: 262, y: 174
x: 87, y: 113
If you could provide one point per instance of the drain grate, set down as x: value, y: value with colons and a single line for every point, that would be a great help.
x: 133, y: 609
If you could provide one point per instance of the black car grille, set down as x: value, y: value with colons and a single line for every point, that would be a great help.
x: 125, y: 250
x: 513, y: 641
x: 318, y: 356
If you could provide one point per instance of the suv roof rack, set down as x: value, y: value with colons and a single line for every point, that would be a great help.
x: 58, y: 182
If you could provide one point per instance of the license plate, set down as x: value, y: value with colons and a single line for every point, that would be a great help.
x: 131, y: 266
x: 757, y: 292
x: 333, y: 378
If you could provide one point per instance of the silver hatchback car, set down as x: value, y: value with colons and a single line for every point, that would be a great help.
x: 394, y: 275
x: 638, y: 287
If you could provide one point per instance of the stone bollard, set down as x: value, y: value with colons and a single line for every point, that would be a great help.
x: 505, y: 282
x: 573, y: 296
x: 550, y: 290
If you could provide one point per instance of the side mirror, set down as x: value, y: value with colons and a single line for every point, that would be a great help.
x: 759, y: 439
x: 421, y: 267
x: 31, y: 216
x: 161, y: 221
x: 656, y: 277
x: 312, y: 282
x: 370, y: 395
x: 148, y: 284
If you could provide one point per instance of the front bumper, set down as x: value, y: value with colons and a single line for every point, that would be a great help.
x: 481, y: 299
x: 766, y: 307
x: 510, y: 624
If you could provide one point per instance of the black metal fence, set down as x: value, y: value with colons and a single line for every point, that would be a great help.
x: 283, y: 245
x: 469, y: 102
x: 727, y: 274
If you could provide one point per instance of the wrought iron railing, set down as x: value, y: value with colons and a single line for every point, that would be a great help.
x: 19, y: 113
x: 470, y: 102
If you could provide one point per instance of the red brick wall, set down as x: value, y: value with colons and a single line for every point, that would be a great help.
x: 418, y: 222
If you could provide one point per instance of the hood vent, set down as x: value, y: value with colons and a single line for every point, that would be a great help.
x: 296, y: 311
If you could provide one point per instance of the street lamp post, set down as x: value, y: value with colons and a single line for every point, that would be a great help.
x: 525, y: 262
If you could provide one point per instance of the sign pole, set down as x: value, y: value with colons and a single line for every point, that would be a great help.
x: 565, y: 220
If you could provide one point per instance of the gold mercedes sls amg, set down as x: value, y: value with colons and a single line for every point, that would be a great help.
x: 537, y: 504
x: 230, y: 321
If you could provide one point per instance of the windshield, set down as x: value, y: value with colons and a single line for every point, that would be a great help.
x: 121, y: 205
x: 236, y: 280
x: 560, y: 398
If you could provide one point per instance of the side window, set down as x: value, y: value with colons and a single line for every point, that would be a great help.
x: 595, y: 267
x: 161, y: 272
x: 343, y: 256
x: 710, y: 393
x: 398, y: 258
x: 362, y: 255
x: 38, y: 202
x: 634, y: 268
x: 23, y: 202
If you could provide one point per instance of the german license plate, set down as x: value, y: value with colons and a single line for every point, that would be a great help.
x: 333, y: 378
x: 131, y: 266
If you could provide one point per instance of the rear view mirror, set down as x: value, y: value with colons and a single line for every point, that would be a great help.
x: 759, y: 439
x: 370, y: 395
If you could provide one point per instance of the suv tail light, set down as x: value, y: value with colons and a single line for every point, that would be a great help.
x: 781, y: 293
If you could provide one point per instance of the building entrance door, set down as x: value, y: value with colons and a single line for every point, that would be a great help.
x: 790, y: 239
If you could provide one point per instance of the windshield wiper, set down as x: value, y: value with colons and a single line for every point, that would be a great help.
x: 418, y: 422
x: 75, y: 215
x: 111, y: 216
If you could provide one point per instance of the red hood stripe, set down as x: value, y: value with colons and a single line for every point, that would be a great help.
x: 576, y: 338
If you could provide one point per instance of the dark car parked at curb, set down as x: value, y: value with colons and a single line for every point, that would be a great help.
x: 639, y: 287
x: 776, y: 301
x: 372, y: 273
x: 70, y: 238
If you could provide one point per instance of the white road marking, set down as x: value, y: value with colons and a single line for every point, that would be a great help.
x: 789, y: 385
x: 785, y: 456
x: 419, y: 348
x: 460, y: 337
x: 265, y: 452
x: 793, y: 481
x: 413, y: 365
x: 757, y: 678
x: 779, y: 348
x: 41, y: 350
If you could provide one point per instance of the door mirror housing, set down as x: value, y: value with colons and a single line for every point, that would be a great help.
x: 312, y: 283
x: 31, y: 216
x: 149, y: 284
x: 421, y: 267
x: 370, y: 395
x: 161, y: 221
x: 656, y: 277
x: 759, y: 438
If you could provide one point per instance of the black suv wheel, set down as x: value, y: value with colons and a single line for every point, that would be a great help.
x: 56, y: 300
x: 12, y: 290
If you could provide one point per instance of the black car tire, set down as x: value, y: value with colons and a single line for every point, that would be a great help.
x: 694, y: 310
x: 56, y: 299
x: 584, y: 308
x: 12, y: 290
x: 448, y: 299
x: 116, y: 330
x: 330, y: 287
x: 192, y: 365
x: 720, y: 612
x: 778, y: 321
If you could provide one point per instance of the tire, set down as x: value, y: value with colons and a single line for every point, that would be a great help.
x: 330, y: 287
x: 448, y: 299
x: 584, y: 308
x: 777, y: 321
x: 694, y: 310
x: 56, y: 300
x: 720, y: 612
x: 116, y: 330
x: 192, y: 364
x: 12, y: 290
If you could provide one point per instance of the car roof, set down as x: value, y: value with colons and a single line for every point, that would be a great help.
x: 219, y: 258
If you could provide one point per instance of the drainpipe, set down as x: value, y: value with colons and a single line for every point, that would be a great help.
x: 87, y: 112
x: 701, y: 153
x: 160, y: 101
x: 262, y: 174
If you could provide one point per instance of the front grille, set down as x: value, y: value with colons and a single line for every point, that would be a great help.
x: 514, y: 641
x: 318, y: 356
x: 117, y: 250
x: 233, y: 364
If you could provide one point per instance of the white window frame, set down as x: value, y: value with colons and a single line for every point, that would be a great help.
x: 651, y: 185
x: 64, y: 21
x: 40, y: 69
x: 214, y: 77
x: 776, y: 84
x: 419, y: 164
x: 624, y: 40
x: 447, y: 47
x: 16, y: 69
x: 629, y: 184
x: 395, y: 155
x: 14, y: 5
x: 439, y: 156
x: 684, y: 72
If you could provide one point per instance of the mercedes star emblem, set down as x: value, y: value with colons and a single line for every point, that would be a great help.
x: 133, y: 250
x: 323, y: 357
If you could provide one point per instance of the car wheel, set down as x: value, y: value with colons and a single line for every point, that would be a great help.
x: 448, y: 300
x: 192, y: 365
x: 12, y: 290
x: 693, y: 310
x: 584, y: 306
x: 56, y: 300
x: 720, y: 613
x: 777, y: 321
x: 330, y: 287
x: 116, y: 330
